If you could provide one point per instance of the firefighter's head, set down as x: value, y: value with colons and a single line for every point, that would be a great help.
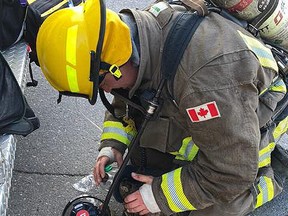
x: 76, y: 45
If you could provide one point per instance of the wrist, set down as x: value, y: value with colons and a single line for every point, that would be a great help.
x: 108, y: 152
x: 148, y: 198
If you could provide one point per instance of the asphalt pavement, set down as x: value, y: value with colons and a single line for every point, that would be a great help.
x: 64, y: 148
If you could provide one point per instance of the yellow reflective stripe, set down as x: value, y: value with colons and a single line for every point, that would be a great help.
x: 56, y: 7
x: 184, y: 146
x: 278, y: 86
x: 268, y: 148
x: 265, y: 162
x: 173, y: 191
x: 72, y: 78
x: 263, y: 53
x: 279, y: 89
x: 30, y: 1
x: 266, y: 191
x: 115, y: 136
x: 193, y: 152
x: 263, y: 91
x: 71, y: 58
x: 259, y: 200
x: 174, y: 153
x: 265, y: 155
x: 270, y: 188
x: 164, y: 186
x: 114, y: 124
x: 281, y: 128
x: 188, y: 150
x: 116, y: 130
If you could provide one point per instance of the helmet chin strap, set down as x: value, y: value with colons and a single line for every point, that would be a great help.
x: 94, y: 76
x: 95, y: 61
x: 122, y: 95
x: 96, y: 64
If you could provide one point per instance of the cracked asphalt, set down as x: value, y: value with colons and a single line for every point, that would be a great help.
x: 64, y: 148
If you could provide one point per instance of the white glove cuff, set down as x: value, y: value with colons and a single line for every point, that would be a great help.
x: 148, y: 198
x: 107, y: 151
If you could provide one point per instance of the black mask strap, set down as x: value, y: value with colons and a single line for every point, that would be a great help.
x: 109, y: 107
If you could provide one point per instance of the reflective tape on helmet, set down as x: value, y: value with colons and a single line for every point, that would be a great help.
x: 72, y: 78
x: 188, y: 150
x: 265, y: 155
x: 281, y: 128
x: 71, y: 58
x: 263, y: 53
x: 173, y: 191
x: 116, y: 130
x: 266, y: 191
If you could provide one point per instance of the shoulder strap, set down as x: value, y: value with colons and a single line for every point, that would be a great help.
x: 177, y: 40
x: 198, y: 5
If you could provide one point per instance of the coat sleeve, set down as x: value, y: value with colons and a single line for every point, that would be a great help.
x: 116, y: 134
x: 227, y: 161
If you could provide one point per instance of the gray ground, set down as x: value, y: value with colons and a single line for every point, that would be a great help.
x: 63, y: 150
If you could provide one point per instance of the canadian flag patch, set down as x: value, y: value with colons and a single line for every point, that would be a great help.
x: 203, y: 112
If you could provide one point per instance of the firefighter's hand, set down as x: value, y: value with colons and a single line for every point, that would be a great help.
x: 101, y: 162
x: 134, y: 202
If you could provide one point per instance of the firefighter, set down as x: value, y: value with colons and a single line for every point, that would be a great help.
x: 205, y: 141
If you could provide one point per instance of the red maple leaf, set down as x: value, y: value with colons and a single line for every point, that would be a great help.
x: 202, y: 112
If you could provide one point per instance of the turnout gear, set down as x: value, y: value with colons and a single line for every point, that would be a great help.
x: 222, y: 153
x: 238, y: 169
x: 66, y: 60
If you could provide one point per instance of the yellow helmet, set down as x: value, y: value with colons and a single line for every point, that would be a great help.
x: 74, y: 44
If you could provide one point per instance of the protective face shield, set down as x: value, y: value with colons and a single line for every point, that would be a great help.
x: 75, y: 45
x: 270, y: 17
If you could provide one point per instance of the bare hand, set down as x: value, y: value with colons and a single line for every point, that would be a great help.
x: 134, y: 202
x: 99, y: 172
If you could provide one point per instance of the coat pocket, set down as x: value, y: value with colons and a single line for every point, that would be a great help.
x: 163, y: 134
x: 155, y: 135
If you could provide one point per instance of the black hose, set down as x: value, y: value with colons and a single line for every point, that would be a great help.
x: 149, y: 113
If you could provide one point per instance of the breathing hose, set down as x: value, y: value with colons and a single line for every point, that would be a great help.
x: 153, y: 105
